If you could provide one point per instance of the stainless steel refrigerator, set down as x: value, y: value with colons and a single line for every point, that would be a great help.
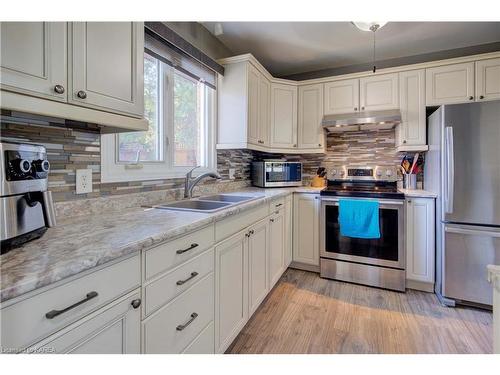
x: 463, y: 168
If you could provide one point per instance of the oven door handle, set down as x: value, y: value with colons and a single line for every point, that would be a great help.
x: 335, y: 201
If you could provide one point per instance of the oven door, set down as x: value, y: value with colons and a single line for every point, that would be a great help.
x: 387, y: 251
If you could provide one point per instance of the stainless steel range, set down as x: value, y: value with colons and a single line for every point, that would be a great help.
x: 376, y: 262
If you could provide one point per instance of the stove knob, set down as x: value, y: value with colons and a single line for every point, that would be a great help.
x: 22, y: 165
x: 379, y: 173
x: 342, y: 173
x: 334, y: 172
x: 388, y: 173
x: 41, y: 165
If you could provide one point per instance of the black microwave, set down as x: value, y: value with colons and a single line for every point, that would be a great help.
x: 276, y: 173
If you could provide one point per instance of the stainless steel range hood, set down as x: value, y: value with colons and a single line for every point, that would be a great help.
x: 356, y: 121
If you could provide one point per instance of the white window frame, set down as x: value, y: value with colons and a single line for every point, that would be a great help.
x: 114, y: 171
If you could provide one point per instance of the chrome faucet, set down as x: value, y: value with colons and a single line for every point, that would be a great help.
x: 190, y: 183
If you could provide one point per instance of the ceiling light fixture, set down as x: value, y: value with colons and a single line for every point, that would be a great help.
x: 373, y: 27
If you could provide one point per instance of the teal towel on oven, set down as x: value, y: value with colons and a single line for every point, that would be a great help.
x: 359, y: 218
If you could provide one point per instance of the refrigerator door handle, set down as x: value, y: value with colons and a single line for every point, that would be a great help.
x: 450, y: 170
x: 474, y: 232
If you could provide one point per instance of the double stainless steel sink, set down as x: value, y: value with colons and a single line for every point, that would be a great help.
x: 209, y: 204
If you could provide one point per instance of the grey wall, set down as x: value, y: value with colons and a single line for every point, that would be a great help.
x: 201, y: 38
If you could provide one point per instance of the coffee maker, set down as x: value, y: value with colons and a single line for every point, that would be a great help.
x: 26, y: 207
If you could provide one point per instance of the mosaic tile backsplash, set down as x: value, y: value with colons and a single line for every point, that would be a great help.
x: 70, y: 149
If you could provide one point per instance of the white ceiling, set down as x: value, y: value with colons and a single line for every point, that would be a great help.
x: 293, y: 47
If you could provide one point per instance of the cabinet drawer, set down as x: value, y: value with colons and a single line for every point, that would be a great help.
x: 113, y: 329
x: 161, y: 291
x: 276, y: 204
x: 234, y: 224
x: 204, y: 343
x: 168, y: 255
x: 173, y: 327
x: 25, y: 322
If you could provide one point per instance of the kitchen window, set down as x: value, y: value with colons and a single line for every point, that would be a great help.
x: 180, y: 109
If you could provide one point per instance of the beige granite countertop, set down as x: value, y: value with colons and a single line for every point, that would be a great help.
x: 80, y: 243
x: 418, y: 193
x: 83, y: 242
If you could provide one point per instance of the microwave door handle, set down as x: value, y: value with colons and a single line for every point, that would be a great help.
x: 450, y: 170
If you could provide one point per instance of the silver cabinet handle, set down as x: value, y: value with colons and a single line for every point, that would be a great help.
x: 481, y: 97
x: 192, y: 276
x: 136, y: 303
x: 81, y: 94
x: 271, y: 220
x: 182, y: 251
x: 471, y: 97
x: 278, y: 205
x: 59, y: 89
x: 355, y: 108
x: 319, y: 144
x: 404, y: 141
x: 181, y: 327
x: 363, y: 108
x: 53, y: 313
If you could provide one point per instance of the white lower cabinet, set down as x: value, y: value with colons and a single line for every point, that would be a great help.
x: 277, y: 247
x: 231, y: 289
x: 420, y: 247
x: 114, y: 329
x: 306, y: 229
x: 258, y: 262
x: 288, y: 229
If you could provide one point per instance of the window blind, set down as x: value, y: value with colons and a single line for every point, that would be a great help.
x: 160, y: 48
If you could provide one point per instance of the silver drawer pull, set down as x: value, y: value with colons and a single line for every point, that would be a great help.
x: 181, y: 327
x: 193, y: 245
x: 53, y: 313
x: 193, y: 275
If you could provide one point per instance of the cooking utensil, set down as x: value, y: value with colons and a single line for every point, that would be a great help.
x: 415, y: 159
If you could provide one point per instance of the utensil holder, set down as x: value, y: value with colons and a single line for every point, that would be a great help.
x: 410, y: 181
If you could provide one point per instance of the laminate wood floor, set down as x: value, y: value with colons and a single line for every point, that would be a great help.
x: 307, y: 314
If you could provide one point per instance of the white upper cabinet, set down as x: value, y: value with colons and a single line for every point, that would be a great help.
x: 411, y: 133
x: 379, y: 92
x: 253, y: 105
x: 488, y: 79
x: 310, y: 132
x: 33, y: 59
x: 106, y: 66
x: 341, y: 96
x: 264, y: 110
x: 449, y: 84
x: 283, y: 116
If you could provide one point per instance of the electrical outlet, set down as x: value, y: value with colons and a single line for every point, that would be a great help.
x: 83, y: 181
x: 232, y: 171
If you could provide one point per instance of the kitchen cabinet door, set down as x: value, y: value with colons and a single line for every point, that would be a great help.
x: 258, y: 261
x: 106, y: 66
x: 231, y: 289
x: 306, y: 229
x: 253, y: 104
x: 113, y: 329
x: 310, y: 132
x: 288, y: 229
x: 283, y: 116
x: 488, y: 79
x: 379, y: 92
x: 411, y: 133
x: 33, y: 58
x: 449, y: 84
x: 264, y: 110
x: 277, y: 247
x: 341, y: 96
x: 420, y: 248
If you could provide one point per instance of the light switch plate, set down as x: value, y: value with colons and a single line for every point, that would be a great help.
x: 83, y: 181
